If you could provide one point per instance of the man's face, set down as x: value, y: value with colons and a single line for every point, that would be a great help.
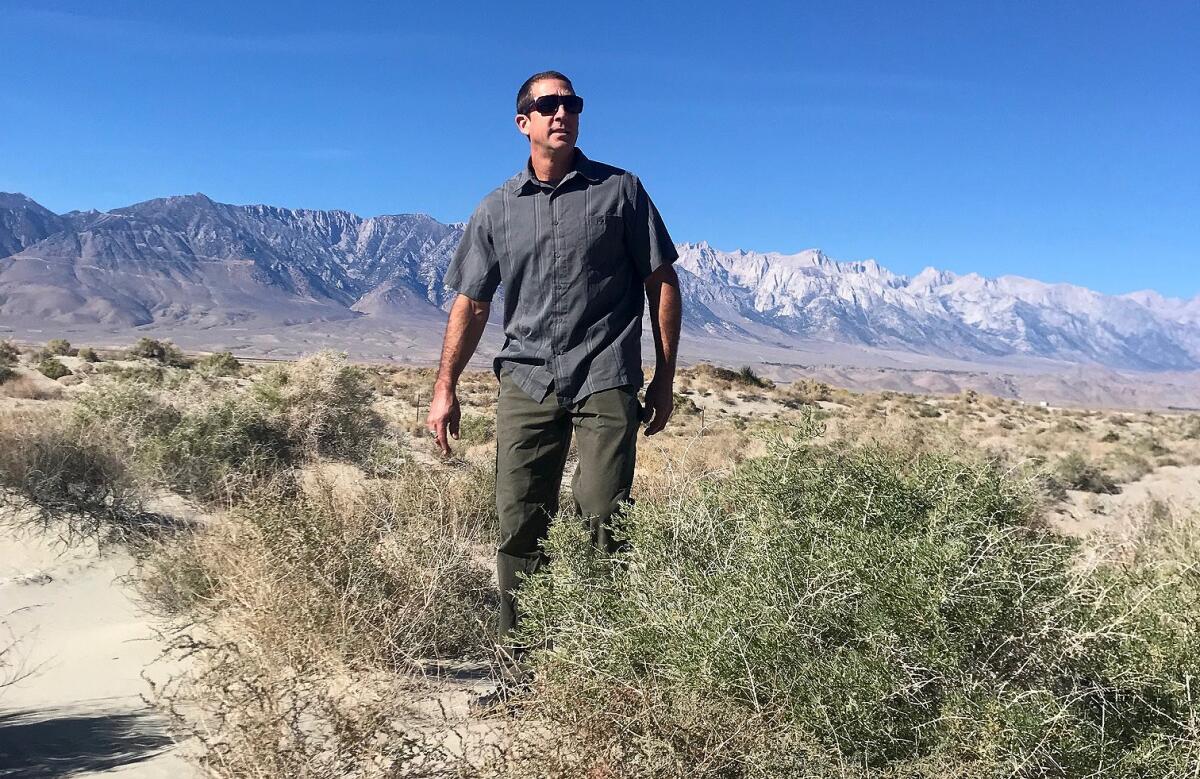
x: 556, y: 132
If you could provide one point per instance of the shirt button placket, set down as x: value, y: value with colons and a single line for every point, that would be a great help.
x: 560, y: 377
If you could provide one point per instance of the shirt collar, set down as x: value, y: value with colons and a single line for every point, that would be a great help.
x: 581, y: 165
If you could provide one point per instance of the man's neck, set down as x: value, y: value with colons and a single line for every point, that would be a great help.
x: 550, y: 165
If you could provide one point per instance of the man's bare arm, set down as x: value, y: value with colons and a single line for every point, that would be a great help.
x: 463, y: 331
x: 666, y: 313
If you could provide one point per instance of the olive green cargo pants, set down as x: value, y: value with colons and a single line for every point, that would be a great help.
x: 532, y: 440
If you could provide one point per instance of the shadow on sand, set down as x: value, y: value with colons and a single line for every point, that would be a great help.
x: 64, y: 743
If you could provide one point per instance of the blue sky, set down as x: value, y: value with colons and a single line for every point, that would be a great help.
x: 1048, y: 139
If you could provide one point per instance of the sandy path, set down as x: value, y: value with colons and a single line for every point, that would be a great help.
x: 80, y: 713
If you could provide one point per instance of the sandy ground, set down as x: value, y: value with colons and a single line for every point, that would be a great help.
x: 1084, y: 513
x: 84, y: 642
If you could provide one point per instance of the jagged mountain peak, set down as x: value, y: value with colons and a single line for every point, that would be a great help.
x: 941, y: 312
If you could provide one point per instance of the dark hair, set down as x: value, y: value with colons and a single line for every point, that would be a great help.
x: 527, y: 87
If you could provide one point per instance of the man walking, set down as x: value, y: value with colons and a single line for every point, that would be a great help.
x: 580, y: 248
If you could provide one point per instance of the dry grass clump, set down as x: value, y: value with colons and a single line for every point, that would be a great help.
x: 70, y: 479
x: 264, y: 720
x: 853, y: 611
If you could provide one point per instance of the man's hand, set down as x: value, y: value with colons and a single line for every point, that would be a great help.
x: 467, y: 320
x: 443, y: 416
x: 660, y: 402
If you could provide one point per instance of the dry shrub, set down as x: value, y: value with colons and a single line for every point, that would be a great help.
x: 28, y: 387
x: 70, y: 479
x: 476, y: 428
x: 212, y: 440
x: 261, y: 719
x: 163, y: 352
x: 806, y: 392
x: 322, y: 403
x: 1128, y: 465
x: 309, y: 614
x: 218, y: 364
x: 380, y: 578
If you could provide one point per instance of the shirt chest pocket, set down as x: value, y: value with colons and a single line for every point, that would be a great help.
x: 605, y: 244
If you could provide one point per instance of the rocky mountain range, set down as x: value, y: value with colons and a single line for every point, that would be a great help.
x: 190, y: 262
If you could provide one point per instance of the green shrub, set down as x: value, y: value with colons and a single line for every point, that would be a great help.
x: 218, y: 450
x: 88, y: 354
x: 53, y: 369
x: 747, y: 376
x: 59, y: 347
x: 219, y: 364
x: 163, y: 352
x: 9, y: 353
x: 685, y: 405
x: 6, y: 372
x: 476, y: 428
x: 833, y: 612
x: 1074, y: 472
x: 142, y: 373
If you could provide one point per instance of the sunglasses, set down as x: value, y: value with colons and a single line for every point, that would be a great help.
x: 547, y: 105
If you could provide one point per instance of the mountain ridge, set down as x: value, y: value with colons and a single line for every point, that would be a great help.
x: 188, y: 260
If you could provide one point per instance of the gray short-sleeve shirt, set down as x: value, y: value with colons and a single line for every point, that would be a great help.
x: 573, y: 258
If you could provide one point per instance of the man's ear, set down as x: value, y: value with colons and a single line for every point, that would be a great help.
x: 523, y: 124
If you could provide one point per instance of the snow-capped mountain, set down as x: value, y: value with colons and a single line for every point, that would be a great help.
x: 938, y: 312
x: 195, y: 263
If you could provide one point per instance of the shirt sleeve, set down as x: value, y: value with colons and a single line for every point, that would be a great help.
x: 474, y: 270
x: 646, y: 237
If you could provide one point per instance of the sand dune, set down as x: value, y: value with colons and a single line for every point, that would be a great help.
x: 85, y: 644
